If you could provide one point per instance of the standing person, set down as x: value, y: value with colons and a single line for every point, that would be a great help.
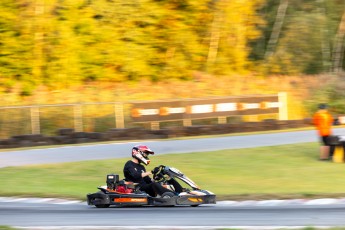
x: 323, y: 121
x: 136, y: 173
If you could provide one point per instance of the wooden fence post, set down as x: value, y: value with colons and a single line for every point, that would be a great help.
x: 78, y: 118
x: 35, y: 120
x: 119, y: 117
x: 283, y: 110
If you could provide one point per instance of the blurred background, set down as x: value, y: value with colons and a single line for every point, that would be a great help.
x: 87, y: 51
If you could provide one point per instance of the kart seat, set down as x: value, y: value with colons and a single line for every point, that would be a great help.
x: 128, y: 184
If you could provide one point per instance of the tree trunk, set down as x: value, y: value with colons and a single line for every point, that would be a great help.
x: 214, y: 40
x: 325, y: 45
x: 338, y: 50
x: 39, y: 10
x: 277, y: 27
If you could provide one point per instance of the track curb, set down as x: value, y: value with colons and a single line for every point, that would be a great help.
x: 320, y: 201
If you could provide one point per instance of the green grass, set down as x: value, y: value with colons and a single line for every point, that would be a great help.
x: 288, y: 171
x: 6, y: 228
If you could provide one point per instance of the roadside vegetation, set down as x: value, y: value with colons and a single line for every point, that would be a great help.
x: 277, y: 172
x: 94, y: 51
x: 76, y: 42
x: 76, y: 51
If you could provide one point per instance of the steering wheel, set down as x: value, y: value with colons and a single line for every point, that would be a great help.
x: 157, y: 173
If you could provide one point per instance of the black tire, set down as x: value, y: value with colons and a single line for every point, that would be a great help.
x: 195, y: 205
x: 102, y: 205
x: 167, y: 195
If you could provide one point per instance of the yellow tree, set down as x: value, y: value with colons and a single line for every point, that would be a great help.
x: 63, y: 22
x: 234, y: 25
x: 16, y: 44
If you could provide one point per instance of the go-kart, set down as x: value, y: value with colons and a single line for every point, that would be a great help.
x: 121, y: 193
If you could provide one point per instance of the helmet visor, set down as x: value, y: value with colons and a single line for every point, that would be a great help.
x: 145, y: 154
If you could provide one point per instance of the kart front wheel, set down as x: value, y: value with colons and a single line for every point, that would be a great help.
x: 102, y: 205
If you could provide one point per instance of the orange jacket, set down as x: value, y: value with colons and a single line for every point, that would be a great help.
x: 323, y: 121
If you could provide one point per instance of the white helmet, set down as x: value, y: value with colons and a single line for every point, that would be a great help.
x: 141, y: 152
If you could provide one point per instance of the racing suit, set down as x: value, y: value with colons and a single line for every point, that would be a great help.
x: 132, y: 172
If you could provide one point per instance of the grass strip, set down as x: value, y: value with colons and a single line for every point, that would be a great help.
x: 275, y: 172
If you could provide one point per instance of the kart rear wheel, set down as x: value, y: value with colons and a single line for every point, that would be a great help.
x: 168, y: 195
x: 102, y: 205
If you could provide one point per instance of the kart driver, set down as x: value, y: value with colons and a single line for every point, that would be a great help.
x: 135, y: 172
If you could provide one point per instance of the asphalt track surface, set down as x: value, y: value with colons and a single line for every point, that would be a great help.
x: 36, y: 215
x: 122, y: 150
x: 48, y: 214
